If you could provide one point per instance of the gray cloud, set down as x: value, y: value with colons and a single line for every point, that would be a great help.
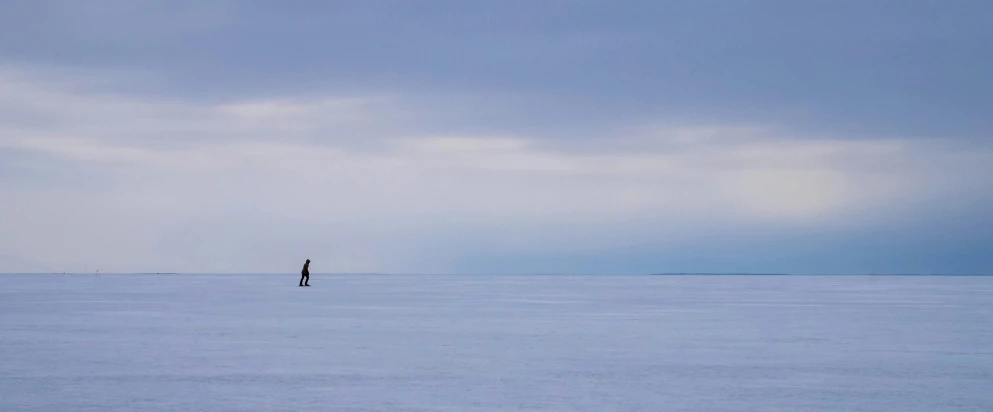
x: 188, y: 185
x: 847, y: 67
x: 494, y: 136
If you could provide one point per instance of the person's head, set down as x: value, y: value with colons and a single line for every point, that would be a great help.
x: 308, y: 260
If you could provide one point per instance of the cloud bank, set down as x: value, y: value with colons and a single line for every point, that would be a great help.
x: 96, y: 180
x: 495, y: 137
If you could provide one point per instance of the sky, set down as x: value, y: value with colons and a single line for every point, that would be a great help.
x: 497, y: 137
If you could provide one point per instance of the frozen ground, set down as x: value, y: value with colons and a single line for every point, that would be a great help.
x: 495, y: 343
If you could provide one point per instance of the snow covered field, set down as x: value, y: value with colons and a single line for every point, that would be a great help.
x: 495, y: 343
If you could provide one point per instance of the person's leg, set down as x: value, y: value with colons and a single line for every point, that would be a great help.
x: 301, y: 279
x: 307, y: 282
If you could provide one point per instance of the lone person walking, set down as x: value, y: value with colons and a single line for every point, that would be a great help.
x: 305, y: 274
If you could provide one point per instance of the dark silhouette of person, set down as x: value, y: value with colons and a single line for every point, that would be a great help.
x: 305, y: 274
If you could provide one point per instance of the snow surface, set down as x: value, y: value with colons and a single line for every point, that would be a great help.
x: 495, y: 343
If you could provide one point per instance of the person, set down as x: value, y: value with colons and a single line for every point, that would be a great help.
x: 305, y: 274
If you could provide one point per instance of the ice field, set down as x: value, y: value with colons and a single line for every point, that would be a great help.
x: 495, y: 343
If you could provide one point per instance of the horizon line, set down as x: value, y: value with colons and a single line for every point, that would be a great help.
x: 503, y: 274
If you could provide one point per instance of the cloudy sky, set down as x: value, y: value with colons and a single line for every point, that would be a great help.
x: 501, y: 136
